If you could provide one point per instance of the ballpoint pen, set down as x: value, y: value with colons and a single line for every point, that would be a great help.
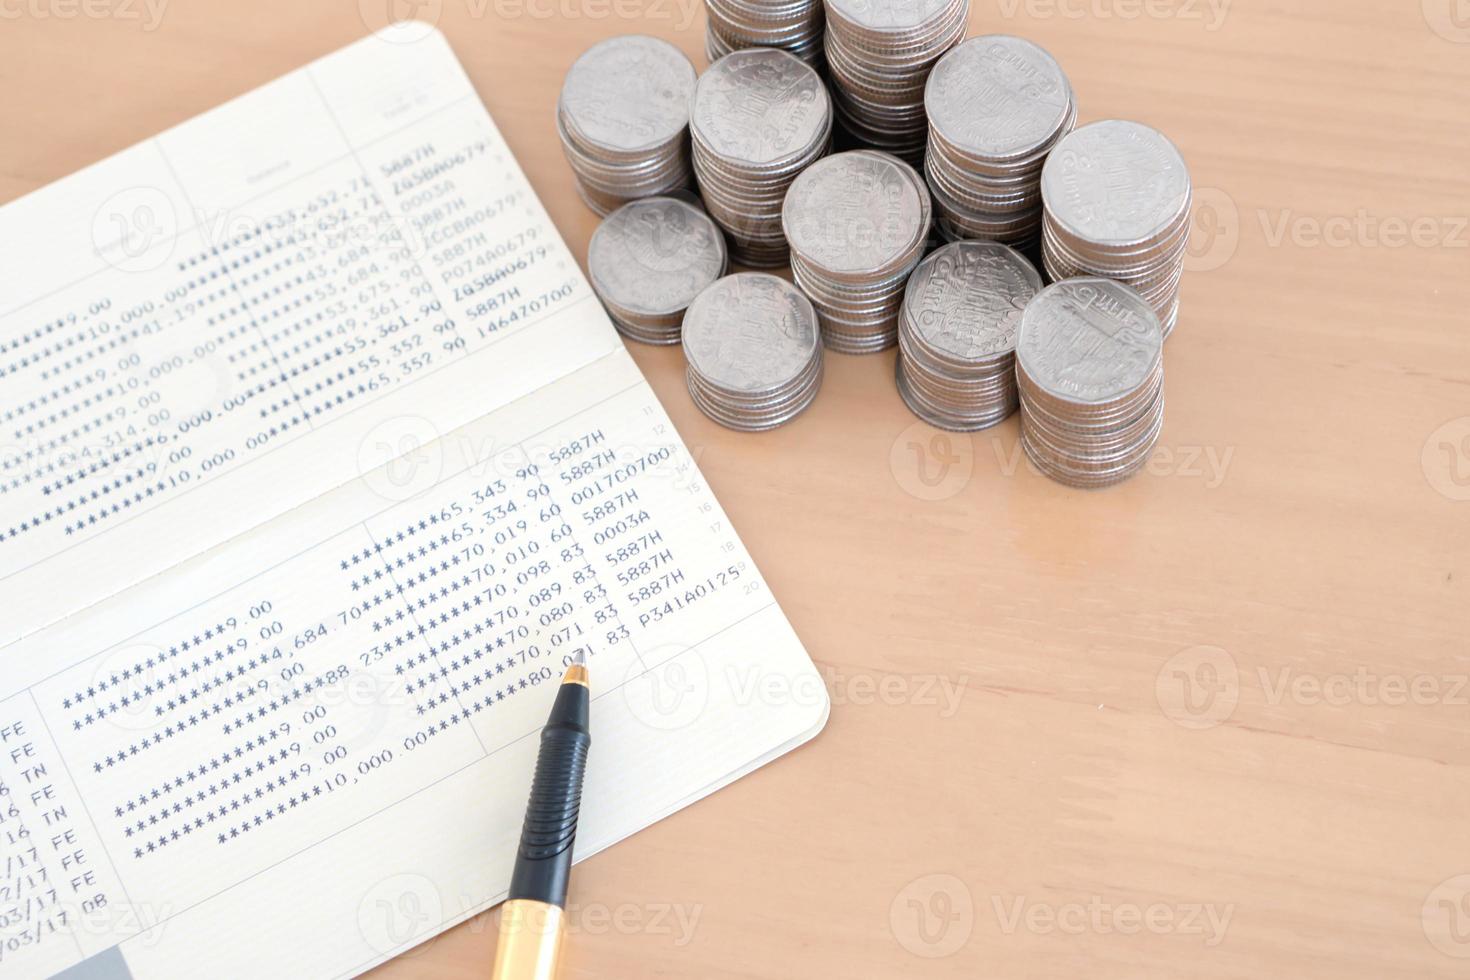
x: 532, y: 918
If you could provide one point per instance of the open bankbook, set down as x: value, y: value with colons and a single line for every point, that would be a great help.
x: 320, y: 461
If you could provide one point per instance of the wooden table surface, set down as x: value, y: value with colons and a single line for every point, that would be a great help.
x: 1212, y: 723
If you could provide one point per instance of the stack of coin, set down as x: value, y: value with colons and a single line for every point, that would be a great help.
x: 879, y: 53
x: 648, y: 260
x: 1117, y: 200
x: 623, y: 118
x: 759, y: 117
x: 858, y: 223
x: 1090, y: 365
x: 957, y: 334
x: 997, y: 105
x: 795, y: 25
x: 754, y: 358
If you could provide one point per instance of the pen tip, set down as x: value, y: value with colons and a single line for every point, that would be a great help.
x: 579, y: 659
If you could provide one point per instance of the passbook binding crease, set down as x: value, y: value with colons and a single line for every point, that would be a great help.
x: 329, y: 462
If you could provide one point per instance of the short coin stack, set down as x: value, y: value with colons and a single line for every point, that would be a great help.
x: 795, y: 25
x: 996, y: 105
x: 759, y: 117
x: 879, y: 53
x: 1117, y: 198
x: 755, y: 361
x: 623, y: 118
x: 957, y: 334
x: 648, y: 260
x: 858, y: 223
x: 1090, y: 364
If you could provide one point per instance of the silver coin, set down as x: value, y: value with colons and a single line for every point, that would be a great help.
x: 1115, y: 184
x: 750, y: 333
x: 965, y: 300
x: 997, y: 96
x: 1089, y: 341
x: 758, y: 107
x: 856, y: 213
x: 649, y: 260
x: 628, y: 94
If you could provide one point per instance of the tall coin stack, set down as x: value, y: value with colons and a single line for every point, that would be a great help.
x: 1117, y: 198
x: 1090, y: 365
x: 648, y: 260
x: 755, y: 361
x: 759, y: 117
x: 858, y: 223
x: 623, y: 118
x: 879, y: 53
x: 957, y: 334
x: 795, y: 25
x: 996, y: 106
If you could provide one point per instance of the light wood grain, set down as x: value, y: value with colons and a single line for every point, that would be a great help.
x: 1322, y: 546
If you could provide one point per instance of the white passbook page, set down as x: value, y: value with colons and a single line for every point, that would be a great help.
x: 319, y: 461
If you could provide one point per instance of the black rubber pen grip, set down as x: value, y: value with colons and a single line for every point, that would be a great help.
x: 545, y: 855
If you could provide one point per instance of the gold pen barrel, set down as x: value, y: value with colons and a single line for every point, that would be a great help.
x: 530, y: 940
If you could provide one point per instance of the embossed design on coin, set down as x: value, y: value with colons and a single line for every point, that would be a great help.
x: 998, y: 96
x: 623, y: 119
x: 1116, y: 198
x: 760, y: 116
x: 1090, y: 368
x: 958, y: 331
x: 751, y: 341
x: 858, y: 223
x: 629, y: 93
x: 649, y: 260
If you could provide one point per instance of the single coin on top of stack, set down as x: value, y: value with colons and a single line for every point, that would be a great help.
x: 648, y: 260
x: 623, y: 118
x: 879, y: 53
x: 996, y: 105
x: 858, y: 223
x: 755, y: 361
x: 957, y: 334
x: 1117, y: 198
x: 793, y: 25
x: 759, y: 117
x: 1090, y: 366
